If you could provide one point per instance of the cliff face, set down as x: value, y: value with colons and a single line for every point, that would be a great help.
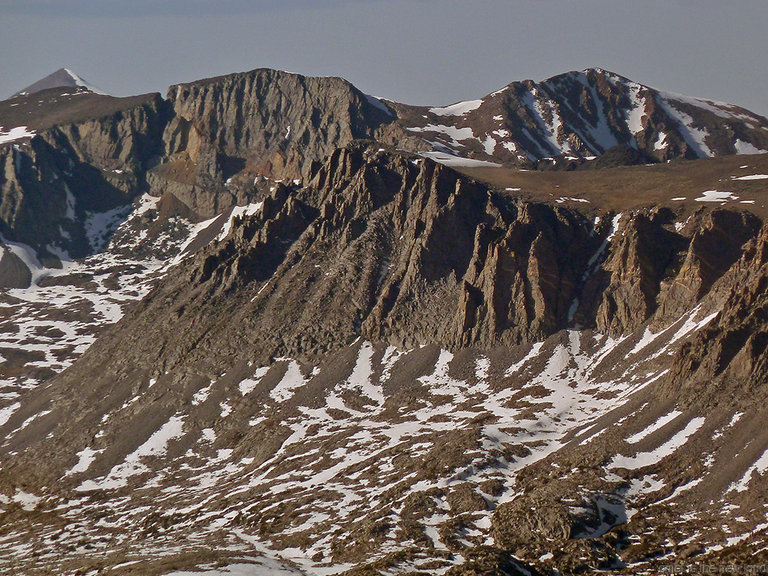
x: 50, y: 184
x: 260, y: 123
x: 264, y: 115
x: 729, y: 359
x: 523, y: 275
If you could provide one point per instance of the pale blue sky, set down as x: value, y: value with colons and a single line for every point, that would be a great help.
x: 419, y: 51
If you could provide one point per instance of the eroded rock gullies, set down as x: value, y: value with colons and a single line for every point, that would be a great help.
x: 561, y: 121
x: 52, y: 183
x: 394, y: 248
x: 728, y: 360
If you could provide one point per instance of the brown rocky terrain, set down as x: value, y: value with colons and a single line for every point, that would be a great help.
x: 367, y: 362
x: 679, y: 185
x: 90, y: 155
x: 212, y: 143
x: 477, y: 449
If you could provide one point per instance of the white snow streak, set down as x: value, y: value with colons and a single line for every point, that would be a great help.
x: 18, y: 133
x: 644, y: 459
x: 458, y: 109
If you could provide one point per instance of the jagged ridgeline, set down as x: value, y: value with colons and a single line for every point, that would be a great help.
x: 205, y: 144
x: 367, y: 362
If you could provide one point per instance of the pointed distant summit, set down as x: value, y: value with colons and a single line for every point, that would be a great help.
x: 62, y: 78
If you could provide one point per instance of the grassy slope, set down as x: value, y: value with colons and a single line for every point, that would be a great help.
x: 628, y: 187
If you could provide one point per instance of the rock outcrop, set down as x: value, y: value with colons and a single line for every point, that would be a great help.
x: 729, y: 358
x: 715, y: 246
x: 259, y: 123
x: 639, y: 258
x: 50, y: 183
x: 13, y: 272
x: 523, y: 275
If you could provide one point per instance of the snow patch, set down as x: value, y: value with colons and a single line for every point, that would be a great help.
x: 458, y: 109
x: 262, y: 567
x: 80, y: 82
x: 377, y: 103
x: 238, y: 212
x: 643, y: 459
x: 747, y: 148
x: 7, y: 412
x: 571, y: 199
x: 637, y: 111
x: 716, y: 196
x: 156, y: 445
x: 71, y: 203
x: 457, y: 161
x: 489, y: 145
x: 455, y: 134
x: 85, y: 458
x: 751, y: 177
x: 27, y: 501
x: 759, y: 467
x: 18, y: 133
x: 292, y: 379
x: 249, y: 384
x: 532, y: 353
x: 99, y: 226
x: 361, y: 377
x: 660, y: 423
x: 694, y: 137
x: 645, y: 485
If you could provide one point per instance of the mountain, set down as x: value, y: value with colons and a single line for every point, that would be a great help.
x: 227, y: 131
x: 82, y: 154
x: 293, y: 342
x: 206, y: 146
x: 62, y: 78
x: 578, y: 115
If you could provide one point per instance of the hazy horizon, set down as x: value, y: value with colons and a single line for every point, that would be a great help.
x: 419, y: 52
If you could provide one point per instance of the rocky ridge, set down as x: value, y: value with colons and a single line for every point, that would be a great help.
x: 419, y: 254
x: 214, y: 143
x: 53, y: 183
x: 385, y: 285
x: 382, y: 366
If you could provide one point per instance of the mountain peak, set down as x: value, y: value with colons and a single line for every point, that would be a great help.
x: 592, y: 72
x: 61, y: 78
